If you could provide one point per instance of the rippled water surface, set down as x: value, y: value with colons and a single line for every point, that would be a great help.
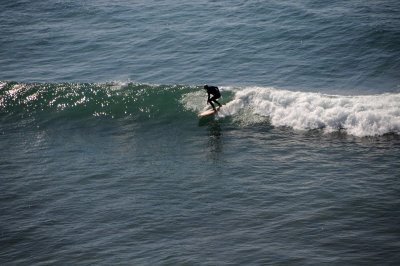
x: 104, y: 161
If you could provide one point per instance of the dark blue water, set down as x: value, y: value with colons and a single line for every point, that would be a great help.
x: 104, y: 161
x: 341, y: 46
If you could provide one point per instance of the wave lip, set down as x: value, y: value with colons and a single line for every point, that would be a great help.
x: 367, y: 115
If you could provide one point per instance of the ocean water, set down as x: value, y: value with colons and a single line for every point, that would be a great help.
x: 104, y: 160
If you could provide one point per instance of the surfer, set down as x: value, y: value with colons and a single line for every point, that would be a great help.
x: 214, y: 91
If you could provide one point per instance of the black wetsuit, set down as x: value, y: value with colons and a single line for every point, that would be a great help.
x: 214, y: 91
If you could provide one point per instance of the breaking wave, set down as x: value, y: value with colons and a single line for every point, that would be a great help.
x: 366, y: 115
x: 362, y: 115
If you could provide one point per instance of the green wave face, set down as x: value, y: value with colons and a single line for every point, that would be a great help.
x: 75, y: 100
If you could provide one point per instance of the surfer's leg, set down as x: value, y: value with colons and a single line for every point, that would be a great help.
x: 210, y: 101
x: 214, y: 99
x: 213, y: 106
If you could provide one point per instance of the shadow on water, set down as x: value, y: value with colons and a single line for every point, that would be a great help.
x: 214, y: 136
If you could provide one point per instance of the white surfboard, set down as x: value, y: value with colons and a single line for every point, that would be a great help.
x: 211, y: 111
x: 208, y: 112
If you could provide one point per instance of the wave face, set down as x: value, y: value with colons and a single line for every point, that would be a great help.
x: 366, y: 115
x: 79, y: 100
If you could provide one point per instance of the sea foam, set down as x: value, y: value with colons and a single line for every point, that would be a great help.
x: 365, y: 115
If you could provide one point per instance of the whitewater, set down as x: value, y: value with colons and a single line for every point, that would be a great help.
x: 371, y: 115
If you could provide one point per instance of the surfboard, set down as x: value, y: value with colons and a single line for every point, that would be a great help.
x: 211, y: 111
x: 208, y: 112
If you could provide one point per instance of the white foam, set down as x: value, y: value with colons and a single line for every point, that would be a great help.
x: 2, y: 84
x: 368, y: 115
x: 194, y: 101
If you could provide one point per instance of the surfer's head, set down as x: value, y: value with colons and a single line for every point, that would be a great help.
x: 205, y: 86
